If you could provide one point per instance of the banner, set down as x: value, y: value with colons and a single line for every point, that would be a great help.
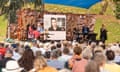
x: 55, y: 27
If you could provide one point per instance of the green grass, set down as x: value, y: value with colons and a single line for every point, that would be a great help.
x: 64, y: 9
x: 112, y: 26
x: 95, y: 9
x: 113, y: 32
x: 3, y: 27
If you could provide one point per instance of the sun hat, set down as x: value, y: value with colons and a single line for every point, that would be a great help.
x: 12, y: 66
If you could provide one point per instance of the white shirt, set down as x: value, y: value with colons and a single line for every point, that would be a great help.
x: 16, y: 56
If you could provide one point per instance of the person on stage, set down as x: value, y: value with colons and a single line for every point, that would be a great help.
x: 103, y: 33
x: 85, y: 31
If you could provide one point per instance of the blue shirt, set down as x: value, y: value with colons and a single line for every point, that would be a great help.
x: 56, y: 64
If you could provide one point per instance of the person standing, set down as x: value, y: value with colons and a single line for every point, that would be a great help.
x: 103, y: 33
x: 85, y: 31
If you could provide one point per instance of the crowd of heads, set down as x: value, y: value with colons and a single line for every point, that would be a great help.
x: 59, y: 56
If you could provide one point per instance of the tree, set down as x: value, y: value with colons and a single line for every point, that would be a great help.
x: 104, y: 7
x: 9, y: 8
x: 39, y: 5
x: 117, y: 10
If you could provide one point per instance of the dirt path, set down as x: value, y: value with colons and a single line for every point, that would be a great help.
x: 107, y: 18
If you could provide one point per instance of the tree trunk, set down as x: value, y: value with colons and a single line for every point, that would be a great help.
x: 104, y: 7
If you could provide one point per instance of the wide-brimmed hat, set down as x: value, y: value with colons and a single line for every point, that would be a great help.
x: 12, y: 66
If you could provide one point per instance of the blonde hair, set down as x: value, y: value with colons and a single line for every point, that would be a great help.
x: 40, y: 63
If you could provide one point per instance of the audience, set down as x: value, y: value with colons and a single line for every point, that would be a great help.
x: 61, y: 56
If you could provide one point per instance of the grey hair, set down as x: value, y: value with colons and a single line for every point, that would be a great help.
x: 99, y: 58
x: 87, y: 54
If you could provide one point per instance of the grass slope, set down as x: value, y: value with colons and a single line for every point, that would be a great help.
x: 95, y: 9
x: 112, y: 26
x: 3, y: 27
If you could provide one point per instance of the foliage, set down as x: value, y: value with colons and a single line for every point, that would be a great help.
x: 117, y: 11
x: 38, y: 5
x: 112, y: 25
x: 9, y: 8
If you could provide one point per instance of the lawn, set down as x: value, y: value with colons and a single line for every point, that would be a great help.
x: 112, y: 24
x: 3, y: 27
x: 95, y: 9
